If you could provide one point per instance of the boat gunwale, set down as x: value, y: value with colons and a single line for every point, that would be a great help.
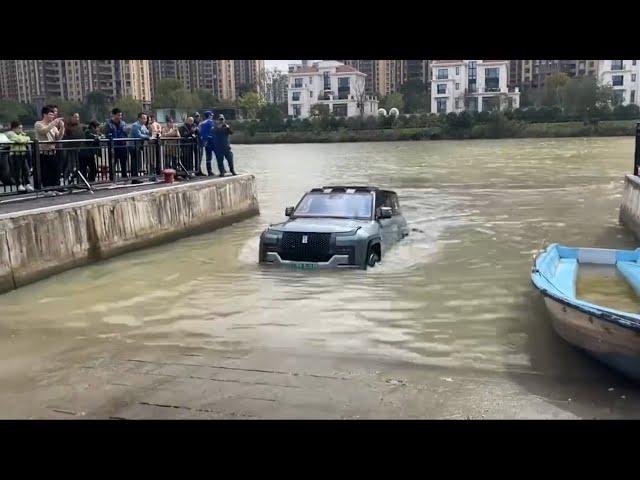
x: 600, y: 312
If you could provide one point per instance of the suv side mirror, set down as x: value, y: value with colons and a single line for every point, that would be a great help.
x: 288, y: 211
x: 385, y: 212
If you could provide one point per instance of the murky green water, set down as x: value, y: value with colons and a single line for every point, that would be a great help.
x: 455, y: 295
x: 604, y: 285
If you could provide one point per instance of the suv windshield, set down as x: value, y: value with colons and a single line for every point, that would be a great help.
x: 337, y: 205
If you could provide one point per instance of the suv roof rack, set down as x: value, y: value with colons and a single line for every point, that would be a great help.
x: 361, y: 188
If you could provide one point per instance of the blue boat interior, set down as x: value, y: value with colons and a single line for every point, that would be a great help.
x: 556, y: 272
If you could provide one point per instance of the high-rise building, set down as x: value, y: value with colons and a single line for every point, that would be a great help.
x: 27, y: 80
x: 247, y: 72
x: 533, y: 73
x: 215, y: 76
x: 387, y: 76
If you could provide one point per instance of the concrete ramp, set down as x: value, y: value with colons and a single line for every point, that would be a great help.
x: 38, y: 242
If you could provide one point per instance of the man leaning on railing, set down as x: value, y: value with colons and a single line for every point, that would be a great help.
x: 117, y: 128
x: 140, y: 132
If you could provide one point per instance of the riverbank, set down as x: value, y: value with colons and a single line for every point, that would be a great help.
x: 42, y: 237
x: 507, y: 129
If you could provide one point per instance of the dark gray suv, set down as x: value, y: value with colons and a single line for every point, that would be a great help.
x: 337, y: 226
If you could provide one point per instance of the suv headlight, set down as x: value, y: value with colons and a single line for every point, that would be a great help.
x: 350, y: 233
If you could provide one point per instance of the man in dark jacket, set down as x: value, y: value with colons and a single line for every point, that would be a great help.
x: 189, y: 145
x: 117, y: 128
x: 221, y: 145
x: 91, y: 150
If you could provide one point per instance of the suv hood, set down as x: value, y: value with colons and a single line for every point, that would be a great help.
x: 320, y: 225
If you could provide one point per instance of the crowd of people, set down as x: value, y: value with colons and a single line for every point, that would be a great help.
x: 60, y: 163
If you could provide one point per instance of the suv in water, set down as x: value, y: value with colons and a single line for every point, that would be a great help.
x: 335, y: 227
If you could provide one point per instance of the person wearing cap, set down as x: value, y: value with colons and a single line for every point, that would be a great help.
x: 206, y: 137
x: 221, y: 145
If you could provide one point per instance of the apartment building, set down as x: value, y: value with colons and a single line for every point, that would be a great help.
x: 247, y: 72
x: 533, y: 73
x: 215, y: 76
x: 387, y: 76
x: 339, y: 86
x: 31, y: 80
x: 472, y: 85
x: 624, y: 77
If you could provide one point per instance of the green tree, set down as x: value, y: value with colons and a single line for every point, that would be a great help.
x: 414, y: 93
x: 251, y: 103
x: 582, y: 95
x: 552, y: 93
x: 66, y: 108
x: 393, y: 100
x: 171, y: 93
x: 271, y: 117
x: 205, y: 99
x: 130, y: 108
x: 11, y: 110
x: 96, y: 107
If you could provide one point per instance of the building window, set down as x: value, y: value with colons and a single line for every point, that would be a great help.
x: 617, y: 65
x: 311, y: 94
x: 340, y: 110
x: 297, y: 83
x: 443, y: 73
x: 457, y: 86
x: 632, y: 98
x: 618, y: 97
x: 457, y: 103
x: 441, y: 105
x: 617, y: 80
x: 633, y: 62
x: 492, y: 80
x: 591, y: 64
x: 441, y: 88
x: 633, y: 77
x: 457, y: 70
x: 344, y: 88
x: 295, y: 96
x: 327, y: 81
x: 296, y: 111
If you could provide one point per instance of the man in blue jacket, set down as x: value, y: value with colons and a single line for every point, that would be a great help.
x: 116, y: 128
x: 206, y: 138
x: 139, y: 131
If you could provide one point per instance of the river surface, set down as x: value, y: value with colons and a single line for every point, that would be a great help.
x: 454, y: 298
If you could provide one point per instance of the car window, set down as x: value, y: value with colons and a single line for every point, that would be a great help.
x: 342, y: 205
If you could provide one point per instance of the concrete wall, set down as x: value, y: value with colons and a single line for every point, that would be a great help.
x: 38, y: 243
x: 630, y: 208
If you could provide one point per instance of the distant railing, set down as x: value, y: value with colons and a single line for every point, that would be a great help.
x: 80, y: 164
x: 636, y: 157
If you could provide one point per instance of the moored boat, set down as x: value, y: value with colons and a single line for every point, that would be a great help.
x: 610, y: 335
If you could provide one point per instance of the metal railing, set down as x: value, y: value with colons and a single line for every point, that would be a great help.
x: 636, y: 157
x: 80, y: 164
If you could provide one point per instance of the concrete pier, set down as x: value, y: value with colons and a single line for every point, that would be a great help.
x: 39, y: 241
x: 630, y: 207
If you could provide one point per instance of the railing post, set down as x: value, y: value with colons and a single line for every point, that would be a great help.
x: 112, y: 173
x: 37, y: 170
x: 636, y: 157
x: 158, y: 158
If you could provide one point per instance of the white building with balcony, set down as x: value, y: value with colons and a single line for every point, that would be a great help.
x: 471, y: 85
x: 331, y: 83
x: 624, y: 77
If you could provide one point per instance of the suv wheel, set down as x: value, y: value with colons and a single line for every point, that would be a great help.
x: 372, y: 258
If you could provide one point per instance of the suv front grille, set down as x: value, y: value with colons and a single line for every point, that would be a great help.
x: 315, y: 249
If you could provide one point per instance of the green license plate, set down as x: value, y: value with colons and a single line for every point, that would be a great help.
x: 304, y: 266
